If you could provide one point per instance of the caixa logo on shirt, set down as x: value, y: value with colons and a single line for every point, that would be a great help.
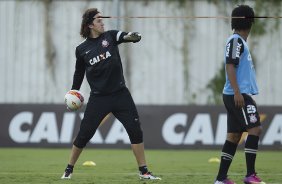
x: 99, y: 58
x: 238, y: 49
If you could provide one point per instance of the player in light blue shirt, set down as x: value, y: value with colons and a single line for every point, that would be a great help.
x: 242, y: 113
x: 237, y: 53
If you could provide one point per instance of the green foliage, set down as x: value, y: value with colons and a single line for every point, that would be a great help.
x: 216, y: 86
x: 264, y: 8
x: 261, y: 27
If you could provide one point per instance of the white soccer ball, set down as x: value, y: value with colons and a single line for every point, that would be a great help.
x: 74, y: 100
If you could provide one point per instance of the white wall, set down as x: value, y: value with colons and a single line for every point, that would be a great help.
x: 172, y: 64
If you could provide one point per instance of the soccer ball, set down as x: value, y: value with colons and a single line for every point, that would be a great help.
x: 74, y: 100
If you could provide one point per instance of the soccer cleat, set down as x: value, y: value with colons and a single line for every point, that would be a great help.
x: 67, y: 174
x: 226, y: 181
x: 149, y: 176
x: 253, y: 179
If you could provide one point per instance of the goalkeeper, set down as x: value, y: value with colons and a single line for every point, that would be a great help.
x: 98, y: 56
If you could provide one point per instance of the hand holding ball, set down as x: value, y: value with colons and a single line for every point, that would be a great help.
x: 74, y: 100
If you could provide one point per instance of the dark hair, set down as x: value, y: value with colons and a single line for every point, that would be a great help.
x: 242, y: 23
x: 87, y: 19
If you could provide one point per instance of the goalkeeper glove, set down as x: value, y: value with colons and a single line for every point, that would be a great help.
x: 132, y: 36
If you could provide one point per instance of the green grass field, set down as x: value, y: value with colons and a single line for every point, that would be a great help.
x: 40, y: 166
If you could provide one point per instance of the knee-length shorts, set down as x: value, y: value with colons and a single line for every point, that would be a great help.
x: 121, y: 105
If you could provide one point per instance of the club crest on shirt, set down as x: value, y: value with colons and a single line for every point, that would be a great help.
x: 253, y: 118
x: 105, y: 43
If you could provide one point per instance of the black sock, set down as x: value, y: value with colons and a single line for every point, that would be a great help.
x: 227, y: 154
x: 69, y: 168
x: 251, y: 148
x: 143, y: 169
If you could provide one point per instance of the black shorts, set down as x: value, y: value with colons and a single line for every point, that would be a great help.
x: 241, y: 119
x: 121, y: 105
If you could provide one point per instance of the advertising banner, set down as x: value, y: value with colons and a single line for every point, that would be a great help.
x: 164, y: 127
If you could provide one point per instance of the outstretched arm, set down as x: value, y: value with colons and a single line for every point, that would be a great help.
x: 132, y: 37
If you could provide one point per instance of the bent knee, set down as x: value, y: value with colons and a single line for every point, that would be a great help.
x: 255, y: 131
x: 81, y: 141
x: 234, y: 137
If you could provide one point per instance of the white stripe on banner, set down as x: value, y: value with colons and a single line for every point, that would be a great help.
x: 244, y: 114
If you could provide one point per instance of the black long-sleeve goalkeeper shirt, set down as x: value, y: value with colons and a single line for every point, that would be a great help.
x: 100, y: 59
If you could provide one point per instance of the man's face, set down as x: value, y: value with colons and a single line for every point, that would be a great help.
x: 98, y: 25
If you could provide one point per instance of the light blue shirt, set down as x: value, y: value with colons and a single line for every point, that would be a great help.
x: 237, y: 52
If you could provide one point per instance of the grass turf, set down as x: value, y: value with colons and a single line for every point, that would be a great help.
x: 34, y: 166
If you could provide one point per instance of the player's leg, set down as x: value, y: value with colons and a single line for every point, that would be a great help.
x: 75, y: 152
x: 125, y: 111
x: 227, y: 154
x: 254, y: 129
x: 97, y: 108
x: 139, y: 153
x: 234, y: 132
